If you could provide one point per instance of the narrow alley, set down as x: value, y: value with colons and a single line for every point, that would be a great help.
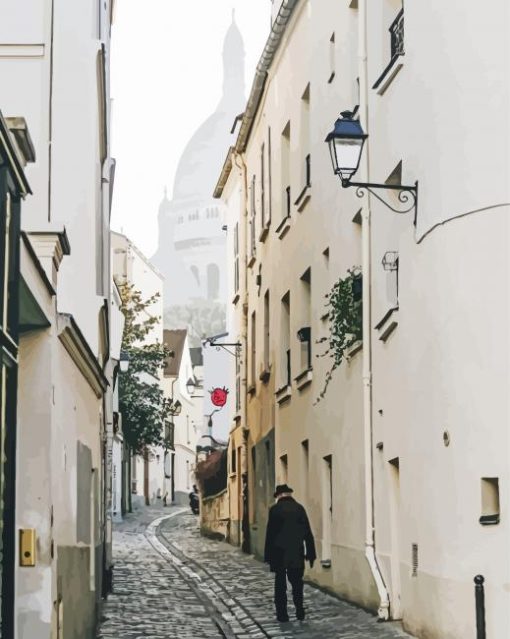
x: 170, y: 582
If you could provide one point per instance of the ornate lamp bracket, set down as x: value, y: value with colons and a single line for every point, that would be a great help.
x: 407, y: 195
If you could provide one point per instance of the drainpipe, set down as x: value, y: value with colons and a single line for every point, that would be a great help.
x: 384, y: 601
x: 241, y: 164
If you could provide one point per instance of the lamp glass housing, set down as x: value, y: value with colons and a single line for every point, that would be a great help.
x: 177, y: 407
x: 190, y: 386
x: 345, y: 143
x: 124, y: 362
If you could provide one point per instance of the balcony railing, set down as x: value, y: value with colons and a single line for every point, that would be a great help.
x: 397, y: 35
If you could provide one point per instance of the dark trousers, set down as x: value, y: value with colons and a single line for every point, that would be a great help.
x: 295, y: 577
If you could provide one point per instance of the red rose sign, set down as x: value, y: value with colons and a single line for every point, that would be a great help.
x: 219, y: 396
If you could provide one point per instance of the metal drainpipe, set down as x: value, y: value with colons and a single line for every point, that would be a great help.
x: 384, y: 605
x: 241, y: 164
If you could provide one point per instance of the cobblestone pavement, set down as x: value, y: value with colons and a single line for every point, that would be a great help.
x: 169, y: 582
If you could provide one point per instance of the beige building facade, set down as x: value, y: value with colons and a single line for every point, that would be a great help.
x: 403, y: 464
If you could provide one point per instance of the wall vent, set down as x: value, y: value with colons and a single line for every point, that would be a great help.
x: 414, y: 560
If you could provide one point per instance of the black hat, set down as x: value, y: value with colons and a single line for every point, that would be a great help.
x: 281, y: 489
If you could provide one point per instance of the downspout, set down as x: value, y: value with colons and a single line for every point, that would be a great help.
x: 241, y: 164
x: 384, y: 601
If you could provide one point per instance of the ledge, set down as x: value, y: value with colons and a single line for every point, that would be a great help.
x: 264, y: 232
x: 304, y: 379
x: 80, y: 352
x: 304, y: 198
x: 355, y: 348
x: 283, y: 394
x: 388, y: 75
x: 265, y: 375
x: 489, y: 520
x: 283, y: 228
x: 388, y: 323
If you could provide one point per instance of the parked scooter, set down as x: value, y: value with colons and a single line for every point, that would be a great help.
x: 194, y: 501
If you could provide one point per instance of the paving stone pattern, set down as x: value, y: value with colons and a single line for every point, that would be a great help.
x: 178, y: 584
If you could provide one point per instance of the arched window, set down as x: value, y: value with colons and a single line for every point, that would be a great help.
x: 213, y: 282
x: 196, y: 273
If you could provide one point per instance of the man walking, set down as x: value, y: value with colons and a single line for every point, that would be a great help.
x: 288, y: 531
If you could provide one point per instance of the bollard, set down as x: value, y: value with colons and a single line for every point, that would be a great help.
x: 480, y: 607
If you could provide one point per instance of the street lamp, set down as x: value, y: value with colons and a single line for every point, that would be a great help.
x: 175, y: 409
x: 190, y: 386
x: 124, y: 362
x: 346, y: 142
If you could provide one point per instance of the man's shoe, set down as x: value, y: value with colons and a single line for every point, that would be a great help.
x: 300, y: 614
x: 282, y: 618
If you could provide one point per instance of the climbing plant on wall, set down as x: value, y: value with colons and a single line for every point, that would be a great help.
x: 345, y: 321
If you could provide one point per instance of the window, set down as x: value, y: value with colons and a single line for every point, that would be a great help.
x: 305, y: 332
x: 285, y: 361
x: 266, y: 331
x: 284, y: 469
x: 262, y: 186
x: 213, y: 282
x: 285, y: 172
x: 327, y: 509
x: 253, y: 349
x: 305, y: 466
x: 253, y: 218
x: 393, y: 44
x: 306, y: 179
x: 332, y: 56
x: 233, y: 464
x: 490, y: 501
x: 269, y: 177
x: 236, y: 259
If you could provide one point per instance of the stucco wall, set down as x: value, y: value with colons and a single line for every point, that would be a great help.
x: 214, y: 516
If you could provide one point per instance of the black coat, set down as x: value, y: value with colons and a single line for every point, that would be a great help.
x: 288, y: 531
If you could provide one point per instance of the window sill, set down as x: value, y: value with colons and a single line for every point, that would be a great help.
x: 283, y: 227
x: 388, y: 323
x: 283, y: 394
x: 489, y: 520
x: 252, y: 261
x: 304, y: 379
x: 236, y: 299
x: 326, y: 563
x: 304, y: 198
x: 388, y: 75
x: 264, y: 232
x: 265, y: 375
x: 353, y: 350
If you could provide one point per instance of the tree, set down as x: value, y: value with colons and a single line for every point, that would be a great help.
x: 203, y: 318
x: 142, y: 402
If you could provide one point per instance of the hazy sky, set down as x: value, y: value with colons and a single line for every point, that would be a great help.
x: 166, y: 80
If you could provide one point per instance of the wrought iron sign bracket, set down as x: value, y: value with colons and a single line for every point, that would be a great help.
x: 407, y: 195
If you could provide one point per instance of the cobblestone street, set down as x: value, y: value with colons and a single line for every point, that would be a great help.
x: 169, y: 582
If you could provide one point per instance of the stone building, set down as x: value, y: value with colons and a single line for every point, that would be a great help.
x: 403, y: 463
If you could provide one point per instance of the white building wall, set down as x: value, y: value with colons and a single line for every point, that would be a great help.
x: 49, y: 75
x: 130, y: 266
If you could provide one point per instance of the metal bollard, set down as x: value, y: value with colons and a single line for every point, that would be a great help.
x: 480, y: 607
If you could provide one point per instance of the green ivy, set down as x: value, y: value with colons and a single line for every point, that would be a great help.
x: 345, y: 310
